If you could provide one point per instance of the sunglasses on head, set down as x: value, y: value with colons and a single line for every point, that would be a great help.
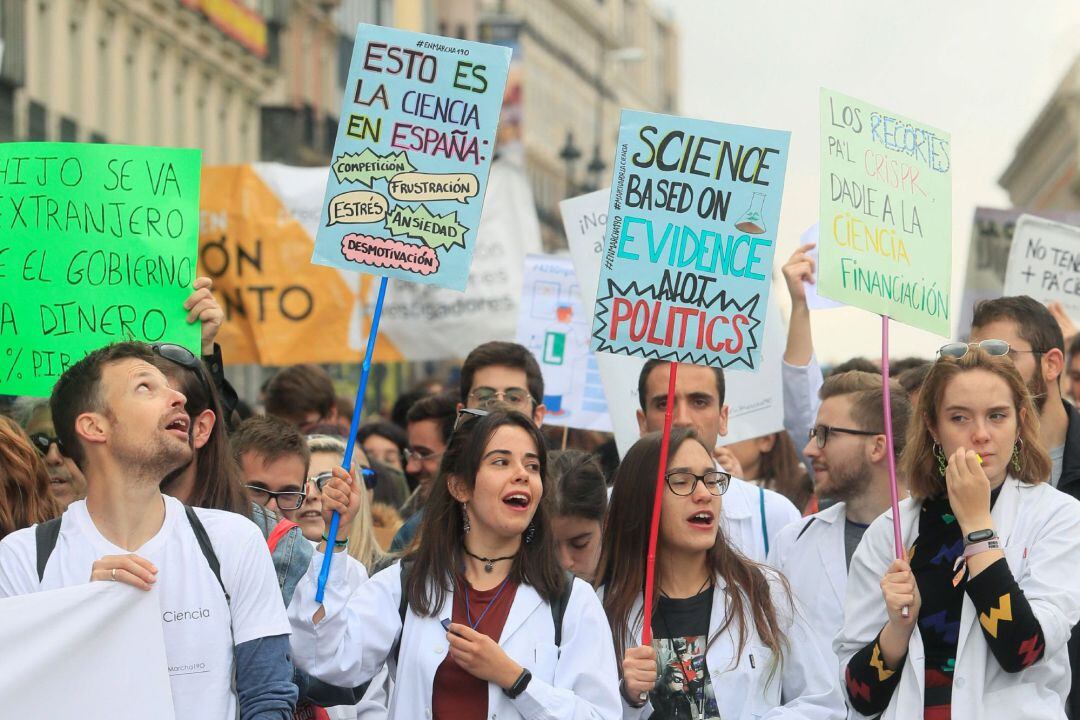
x: 465, y: 414
x: 994, y: 348
x: 180, y: 355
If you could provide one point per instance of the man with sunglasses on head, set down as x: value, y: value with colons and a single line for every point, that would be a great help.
x: 66, y: 482
x: 125, y: 427
x: 851, y: 466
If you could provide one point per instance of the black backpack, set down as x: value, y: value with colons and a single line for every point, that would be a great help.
x: 558, y: 610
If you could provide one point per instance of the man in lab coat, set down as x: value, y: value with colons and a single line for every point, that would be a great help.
x: 752, y: 516
x: 851, y: 466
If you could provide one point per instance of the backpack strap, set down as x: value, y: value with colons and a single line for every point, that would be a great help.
x: 558, y: 610
x: 207, y: 548
x: 46, y: 534
x: 403, y: 607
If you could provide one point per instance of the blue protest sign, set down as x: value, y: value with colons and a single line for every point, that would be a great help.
x: 412, y: 154
x: 691, y: 233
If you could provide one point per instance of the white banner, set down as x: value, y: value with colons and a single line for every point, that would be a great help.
x: 429, y: 323
x: 1044, y: 262
x: 93, y: 652
x: 553, y: 325
x: 756, y: 399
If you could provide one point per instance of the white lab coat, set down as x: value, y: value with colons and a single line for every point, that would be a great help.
x: 812, y: 556
x: 805, y: 687
x: 742, y: 522
x: 1040, y: 528
x: 355, y: 638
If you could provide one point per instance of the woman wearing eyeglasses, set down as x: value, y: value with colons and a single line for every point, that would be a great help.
x: 728, y: 641
x: 973, y: 623
x: 479, y: 620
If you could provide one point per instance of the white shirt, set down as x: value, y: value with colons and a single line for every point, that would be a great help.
x: 353, y: 642
x: 194, y: 614
x: 1040, y: 530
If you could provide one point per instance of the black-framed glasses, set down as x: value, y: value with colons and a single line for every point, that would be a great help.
x: 993, y: 347
x: 820, y: 433
x: 684, y: 482
x: 467, y: 413
x: 517, y: 397
x: 186, y: 359
x: 371, y: 479
x: 287, y: 500
x: 43, y: 441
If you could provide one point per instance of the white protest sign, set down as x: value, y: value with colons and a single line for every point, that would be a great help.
x: 1044, y: 262
x: 92, y: 651
x: 553, y: 325
x: 813, y: 300
x: 756, y: 399
x: 426, y: 322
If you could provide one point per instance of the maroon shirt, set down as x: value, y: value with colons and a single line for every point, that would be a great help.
x: 457, y: 695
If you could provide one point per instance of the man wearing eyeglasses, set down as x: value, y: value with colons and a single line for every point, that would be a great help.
x: 273, y: 457
x: 66, y: 482
x: 506, y: 375
x: 851, y: 466
x: 429, y: 425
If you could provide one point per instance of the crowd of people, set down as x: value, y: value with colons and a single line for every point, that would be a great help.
x: 484, y: 567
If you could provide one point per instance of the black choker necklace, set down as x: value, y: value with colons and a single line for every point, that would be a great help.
x: 488, y: 562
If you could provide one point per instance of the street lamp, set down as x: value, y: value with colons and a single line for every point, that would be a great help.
x: 570, y: 154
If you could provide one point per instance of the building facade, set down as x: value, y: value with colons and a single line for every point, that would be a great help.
x: 1045, y: 170
x: 184, y: 73
x: 576, y: 63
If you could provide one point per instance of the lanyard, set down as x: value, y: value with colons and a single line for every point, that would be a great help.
x: 468, y: 610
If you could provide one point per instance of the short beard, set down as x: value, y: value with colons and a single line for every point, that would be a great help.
x: 847, y: 484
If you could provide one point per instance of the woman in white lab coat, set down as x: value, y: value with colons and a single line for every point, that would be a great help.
x: 479, y: 598
x: 990, y: 582
x: 728, y: 639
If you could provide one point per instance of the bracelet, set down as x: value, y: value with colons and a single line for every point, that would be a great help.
x: 337, y: 543
x: 981, y: 547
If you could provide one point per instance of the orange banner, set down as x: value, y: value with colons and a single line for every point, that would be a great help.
x: 279, y: 308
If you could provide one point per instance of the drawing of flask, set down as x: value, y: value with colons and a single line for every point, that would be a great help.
x: 751, y: 221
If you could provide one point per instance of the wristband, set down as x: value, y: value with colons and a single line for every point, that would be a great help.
x: 519, y: 685
x: 337, y: 543
x: 980, y: 547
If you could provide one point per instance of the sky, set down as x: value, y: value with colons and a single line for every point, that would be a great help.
x: 980, y: 70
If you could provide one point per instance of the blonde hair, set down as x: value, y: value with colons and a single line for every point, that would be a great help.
x: 918, y: 462
x: 362, y: 543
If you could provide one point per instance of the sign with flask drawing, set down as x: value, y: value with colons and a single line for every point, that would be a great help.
x: 553, y: 326
x: 691, y: 231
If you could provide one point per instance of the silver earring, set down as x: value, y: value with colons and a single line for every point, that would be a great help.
x: 465, y: 525
x: 530, y: 533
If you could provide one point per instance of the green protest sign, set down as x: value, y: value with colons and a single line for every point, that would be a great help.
x: 886, y: 213
x: 97, y: 245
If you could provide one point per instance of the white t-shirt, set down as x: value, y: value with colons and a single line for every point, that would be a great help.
x: 194, y: 613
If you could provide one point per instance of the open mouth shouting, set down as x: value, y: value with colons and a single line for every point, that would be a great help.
x: 702, y: 520
x: 518, y: 500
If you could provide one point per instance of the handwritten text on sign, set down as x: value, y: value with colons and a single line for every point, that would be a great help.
x: 1044, y: 262
x: 886, y: 213
x: 411, y: 157
x: 690, y: 240
x: 97, y: 245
